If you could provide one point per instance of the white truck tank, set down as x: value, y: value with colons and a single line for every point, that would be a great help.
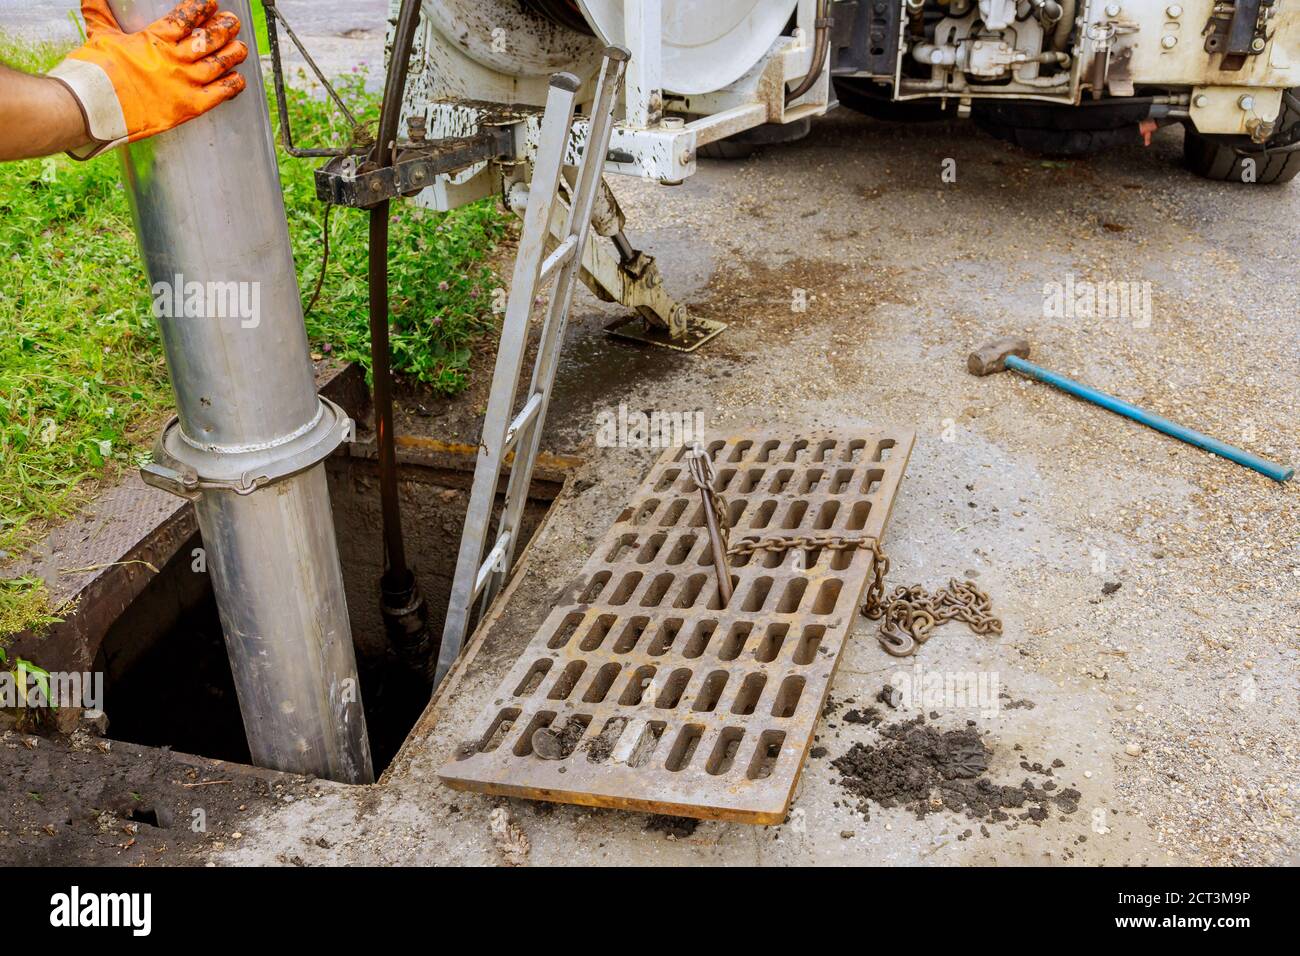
x: 495, y: 48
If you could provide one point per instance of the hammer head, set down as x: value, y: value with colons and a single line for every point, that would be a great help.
x: 992, y: 356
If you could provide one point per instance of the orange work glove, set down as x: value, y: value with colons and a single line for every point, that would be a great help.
x: 133, y: 85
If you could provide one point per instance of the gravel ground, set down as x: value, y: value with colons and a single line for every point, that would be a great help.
x: 1150, y: 591
x: 1195, y: 654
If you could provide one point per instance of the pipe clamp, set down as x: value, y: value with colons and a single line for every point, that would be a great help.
x: 183, y: 469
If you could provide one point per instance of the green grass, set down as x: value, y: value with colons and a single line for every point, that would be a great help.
x: 80, y: 370
x: 259, y: 27
x: 24, y: 604
x: 440, y: 288
x: 83, y: 384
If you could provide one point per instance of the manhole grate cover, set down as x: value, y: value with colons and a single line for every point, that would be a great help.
x: 652, y: 695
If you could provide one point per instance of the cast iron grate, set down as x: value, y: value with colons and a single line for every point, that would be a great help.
x: 659, y: 698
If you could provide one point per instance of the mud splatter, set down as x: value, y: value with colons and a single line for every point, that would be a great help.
x: 925, y: 770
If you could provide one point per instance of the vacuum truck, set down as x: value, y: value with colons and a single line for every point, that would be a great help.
x: 717, y: 77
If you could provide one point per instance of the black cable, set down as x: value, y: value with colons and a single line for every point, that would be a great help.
x: 404, y: 609
x: 324, y: 260
x: 398, y: 574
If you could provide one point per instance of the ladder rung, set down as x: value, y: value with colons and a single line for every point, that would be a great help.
x: 552, y: 264
x: 489, y: 563
x: 526, y: 415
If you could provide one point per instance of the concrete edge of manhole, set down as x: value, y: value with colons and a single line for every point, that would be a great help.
x: 219, y: 770
x: 120, y: 575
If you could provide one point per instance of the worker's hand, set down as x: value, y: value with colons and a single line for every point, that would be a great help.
x: 133, y: 85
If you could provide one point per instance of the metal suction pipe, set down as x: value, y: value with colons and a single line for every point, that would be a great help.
x: 250, y: 434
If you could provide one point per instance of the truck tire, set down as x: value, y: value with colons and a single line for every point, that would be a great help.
x: 1065, y: 131
x: 1223, y: 158
x: 728, y: 149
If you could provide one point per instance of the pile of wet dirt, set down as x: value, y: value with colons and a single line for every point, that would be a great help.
x: 871, y: 716
x: 924, y: 770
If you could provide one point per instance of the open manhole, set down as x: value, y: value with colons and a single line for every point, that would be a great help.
x: 167, y: 679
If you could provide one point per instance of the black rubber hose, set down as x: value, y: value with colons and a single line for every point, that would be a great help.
x: 398, y: 572
x: 821, y: 47
x: 405, y: 612
x: 381, y: 365
x: 390, y: 113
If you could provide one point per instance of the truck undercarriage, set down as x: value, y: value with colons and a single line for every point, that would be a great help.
x: 1068, y: 78
x: 1059, y: 77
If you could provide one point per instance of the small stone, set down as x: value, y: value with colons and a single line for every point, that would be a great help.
x: 1133, y: 749
x: 846, y: 834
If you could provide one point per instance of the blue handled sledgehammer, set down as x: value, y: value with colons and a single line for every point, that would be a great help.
x: 1011, y: 353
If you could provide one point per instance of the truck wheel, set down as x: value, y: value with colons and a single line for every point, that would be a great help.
x: 1226, y: 163
x: 1052, y: 130
x: 1227, y: 158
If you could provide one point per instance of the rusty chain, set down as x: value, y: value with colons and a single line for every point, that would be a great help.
x: 907, y: 617
x: 700, y: 468
x: 910, y: 614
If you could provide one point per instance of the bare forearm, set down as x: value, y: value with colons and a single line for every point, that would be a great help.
x: 38, y: 116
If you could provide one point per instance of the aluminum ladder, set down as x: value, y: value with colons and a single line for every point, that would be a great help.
x: 478, y: 576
